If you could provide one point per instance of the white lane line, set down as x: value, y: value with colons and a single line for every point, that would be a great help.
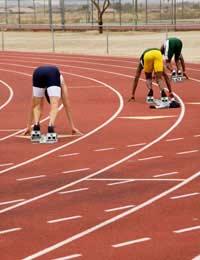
x: 132, y: 145
x: 9, y: 130
x: 9, y: 230
x: 187, y: 152
x: 119, y: 182
x: 174, y: 139
x: 77, y: 170
x: 150, y: 158
x: 196, y: 135
x: 30, y: 178
x: 63, y: 219
x: 71, y: 191
x: 6, y: 164
x: 145, y: 117
x: 196, y: 258
x: 133, y: 180
x: 107, y: 179
x: 132, y: 242
x: 69, y: 154
x: 193, y: 103
x: 104, y: 149
x: 11, y: 201
x: 10, y: 95
x: 164, y: 174
x: 128, y: 180
x: 68, y: 257
x: 119, y: 208
x: 185, y: 195
x: 186, y: 229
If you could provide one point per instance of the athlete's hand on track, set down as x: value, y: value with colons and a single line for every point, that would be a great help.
x: 185, y: 75
x: 76, y: 131
x: 27, y: 131
x: 132, y: 98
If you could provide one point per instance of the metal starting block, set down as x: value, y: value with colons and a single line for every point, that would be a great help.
x: 178, y: 78
x: 35, y: 136
x: 49, y: 138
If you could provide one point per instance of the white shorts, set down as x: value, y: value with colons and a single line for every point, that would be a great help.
x: 53, y: 91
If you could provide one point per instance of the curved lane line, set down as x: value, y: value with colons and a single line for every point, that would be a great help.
x: 10, y: 96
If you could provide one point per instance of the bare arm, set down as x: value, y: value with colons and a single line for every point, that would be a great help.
x: 168, y: 65
x: 67, y: 106
x: 135, y: 81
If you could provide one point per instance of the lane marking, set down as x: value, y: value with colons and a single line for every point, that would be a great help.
x: 193, y: 103
x: 71, y: 191
x: 119, y: 208
x: 187, y: 152
x: 145, y: 117
x: 68, y: 257
x: 11, y: 94
x: 77, y: 170
x: 186, y: 229
x: 120, y: 182
x: 9, y: 130
x: 6, y: 164
x: 104, y: 149
x: 132, y: 242
x: 174, y: 139
x: 133, y: 180
x: 9, y: 230
x: 11, y: 201
x: 164, y: 174
x: 30, y: 178
x: 150, y: 158
x: 185, y: 195
x: 132, y: 145
x: 196, y: 135
x: 196, y: 258
x: 63, y: 219
x: 69, y: 154
x: 124, y: 180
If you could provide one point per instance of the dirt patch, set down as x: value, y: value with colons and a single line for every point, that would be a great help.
x: 130, y: 44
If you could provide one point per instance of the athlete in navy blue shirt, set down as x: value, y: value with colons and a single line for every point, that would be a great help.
x: 49, y: 79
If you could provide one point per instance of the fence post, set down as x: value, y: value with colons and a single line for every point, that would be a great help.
x: 2, y: 39
x: 53, y: 38
x: 107, y: 40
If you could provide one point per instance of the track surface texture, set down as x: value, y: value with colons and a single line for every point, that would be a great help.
x: 128, y: 189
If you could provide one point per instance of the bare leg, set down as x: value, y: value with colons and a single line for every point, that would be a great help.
x: 54, y: 102
x: 37, y: 108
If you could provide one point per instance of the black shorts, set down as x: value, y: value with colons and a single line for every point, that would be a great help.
x: 46, y: 76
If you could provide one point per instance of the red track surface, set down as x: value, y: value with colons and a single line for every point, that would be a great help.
x: 134, y: 183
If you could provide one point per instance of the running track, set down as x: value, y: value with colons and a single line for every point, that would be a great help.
x: 127, y: 189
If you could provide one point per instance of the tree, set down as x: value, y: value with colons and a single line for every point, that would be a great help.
x: 100, y: 11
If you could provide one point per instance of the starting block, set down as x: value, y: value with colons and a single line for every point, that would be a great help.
x: 35, y: 136
x: 49, y: 138
x: 178, y: 78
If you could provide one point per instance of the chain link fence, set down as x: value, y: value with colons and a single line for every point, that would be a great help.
x: 120, y: 12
